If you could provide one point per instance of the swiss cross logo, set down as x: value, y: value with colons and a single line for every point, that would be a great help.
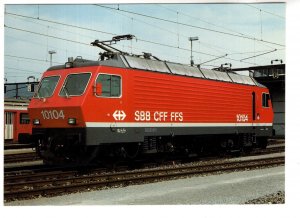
x: 119, y: 115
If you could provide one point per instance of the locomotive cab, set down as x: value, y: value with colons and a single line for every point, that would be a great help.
x: 56, y: 111
x: 69, y: 98
x: 58, y: 99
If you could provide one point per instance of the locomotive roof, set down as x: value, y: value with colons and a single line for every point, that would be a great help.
x: 122, y: 60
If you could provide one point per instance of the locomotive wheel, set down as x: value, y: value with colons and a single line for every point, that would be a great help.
x: 54, y: 154
x: 230, y: 146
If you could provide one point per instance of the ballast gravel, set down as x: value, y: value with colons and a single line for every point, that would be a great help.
x: 228, y: 188
x: 276, y: 198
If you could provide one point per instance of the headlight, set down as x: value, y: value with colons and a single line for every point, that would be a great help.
x: 36, y: 122
x: 68, y: 65
x: 72, y: 121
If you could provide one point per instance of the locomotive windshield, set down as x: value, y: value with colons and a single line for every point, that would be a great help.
x: 75, y: 84
x: 47, y: 87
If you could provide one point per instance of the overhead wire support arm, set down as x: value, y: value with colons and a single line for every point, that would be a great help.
x: 212, y: 60
x: 258, y: 55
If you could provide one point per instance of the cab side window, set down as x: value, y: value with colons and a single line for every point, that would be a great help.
x: 111, y: 85
x: 265, y: 100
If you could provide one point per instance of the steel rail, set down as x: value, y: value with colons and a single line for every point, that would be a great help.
x: 109, y: 179
x: 21, y: 157
x: 55, y: 172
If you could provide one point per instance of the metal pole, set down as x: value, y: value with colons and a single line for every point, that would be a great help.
x: 192, y: 62
x: 17, y: 91
x: 192, y: 39
x: 51, y: 53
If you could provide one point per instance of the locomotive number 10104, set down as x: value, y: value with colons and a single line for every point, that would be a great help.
x: 53, y: 114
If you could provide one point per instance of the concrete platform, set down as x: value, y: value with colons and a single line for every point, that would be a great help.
x: 19, y: 151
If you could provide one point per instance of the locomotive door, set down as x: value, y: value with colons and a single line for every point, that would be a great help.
x: 253, y: 106
x: 9, y: 125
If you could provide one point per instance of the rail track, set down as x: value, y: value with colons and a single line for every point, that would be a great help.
x: 31, y: 156
x: 269, y: 150
x: 20, y: 157
x: 55, y: 183
x: 15, y: 146
x: 32, y: 169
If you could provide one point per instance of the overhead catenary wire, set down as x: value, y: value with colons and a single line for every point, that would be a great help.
x: 46, y: 35
x: 27, y: 71
x: 169, y: 31
x: 56, y: 22
x: 55, y: 47
x: 193, y: 26
x: 27, y: 58
x: 212, y: 24
x: 202, y: 20
x: 26, y: 17
x: 276, y: 15
x: 41, y: 60
x: 207, y: 45
x: 113, y: 34
x: 58, y: 49
x: 93, y: 30
x: 147, y: 41
x: 83, y: 43
x: 45, y: 60
x: 62, y: 29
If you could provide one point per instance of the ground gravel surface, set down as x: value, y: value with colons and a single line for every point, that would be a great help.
x: 275, y: 198
x: 228, y: 188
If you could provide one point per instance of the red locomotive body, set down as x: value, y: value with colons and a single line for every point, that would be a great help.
x: 128, y: 105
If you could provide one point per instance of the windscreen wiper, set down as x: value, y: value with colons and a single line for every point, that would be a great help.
x: 66, y: 91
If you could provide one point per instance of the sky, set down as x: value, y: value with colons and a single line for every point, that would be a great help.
x: 239, y: 31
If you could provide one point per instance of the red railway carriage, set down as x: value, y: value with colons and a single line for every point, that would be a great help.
x: 126, y: 104
x: 17, y: 126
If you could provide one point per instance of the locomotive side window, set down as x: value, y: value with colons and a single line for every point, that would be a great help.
x: 265, y: 100
x: 24, y: 118
x: 75, y: 84
x: 111, y: 85
x: 47, y: 87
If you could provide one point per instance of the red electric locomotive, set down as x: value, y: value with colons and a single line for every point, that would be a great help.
x: 125, y: 105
